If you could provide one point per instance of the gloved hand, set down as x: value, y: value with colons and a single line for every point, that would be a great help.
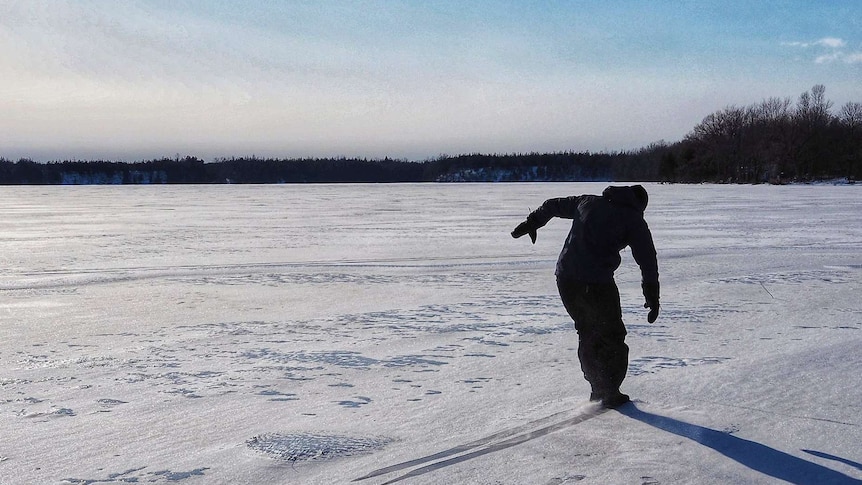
x: 651, y: 291
x: 526, y: 227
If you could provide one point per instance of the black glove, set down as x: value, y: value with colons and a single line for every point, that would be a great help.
x: 651, y: 291
x: 526, y: 227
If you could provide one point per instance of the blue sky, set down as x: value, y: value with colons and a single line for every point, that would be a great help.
x: 124, y: 80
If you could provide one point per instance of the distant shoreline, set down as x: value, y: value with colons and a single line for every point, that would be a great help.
x: 641, y: 166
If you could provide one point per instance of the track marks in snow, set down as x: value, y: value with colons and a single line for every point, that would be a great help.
x: 288, y: 364
x: 651, y: 365
x: 237, y: 356
x: 674, y: 313
x: 828, y: 275
x: 362, y: 272
x: 271, y: 360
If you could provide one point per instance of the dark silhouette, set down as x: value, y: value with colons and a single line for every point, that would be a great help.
x: 601, y: 227
x: 191, y: 170
x: 463, y: 168
x: 771, y: 141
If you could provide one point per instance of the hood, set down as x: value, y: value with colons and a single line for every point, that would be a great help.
x: 634, y: 196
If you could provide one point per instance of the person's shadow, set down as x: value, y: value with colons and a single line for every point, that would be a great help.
x: 756, y: 456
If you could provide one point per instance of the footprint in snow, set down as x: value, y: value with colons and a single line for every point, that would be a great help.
x: 137, y: 475
x: 360, y: 401
x: 566, y: 479
x: 111, y: 402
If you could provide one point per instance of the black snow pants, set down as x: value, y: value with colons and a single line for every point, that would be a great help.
x: 604, y: 356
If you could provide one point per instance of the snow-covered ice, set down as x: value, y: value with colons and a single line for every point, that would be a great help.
x: 318, y: 333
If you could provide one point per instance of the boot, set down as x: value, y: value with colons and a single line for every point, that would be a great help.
x: 614, y: 400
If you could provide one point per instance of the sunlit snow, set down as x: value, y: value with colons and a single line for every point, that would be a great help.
x: 321, y: 334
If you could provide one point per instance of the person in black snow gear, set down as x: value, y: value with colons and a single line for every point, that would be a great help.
x: 602, y: 226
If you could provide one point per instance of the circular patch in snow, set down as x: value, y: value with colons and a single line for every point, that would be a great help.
x: 307, y: 446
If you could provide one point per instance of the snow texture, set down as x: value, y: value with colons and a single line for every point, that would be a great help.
x: 322, y: 333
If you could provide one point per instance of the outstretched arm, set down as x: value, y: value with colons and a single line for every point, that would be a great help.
x: 565, y: 207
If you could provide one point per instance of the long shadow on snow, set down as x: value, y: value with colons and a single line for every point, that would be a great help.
x: 756, y: 456
x: 820, y: 454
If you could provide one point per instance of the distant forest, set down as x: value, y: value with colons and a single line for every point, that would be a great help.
x: 776, y: 141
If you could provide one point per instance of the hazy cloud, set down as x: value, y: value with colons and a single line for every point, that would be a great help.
x: 840, y: 56
x: 827, y: 58
x: 845, y: 57
x: 142, y: 78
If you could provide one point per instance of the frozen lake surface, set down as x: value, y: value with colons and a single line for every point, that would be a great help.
x: 319, y: 334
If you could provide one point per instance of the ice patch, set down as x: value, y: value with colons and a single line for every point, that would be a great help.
x: 309, y: 447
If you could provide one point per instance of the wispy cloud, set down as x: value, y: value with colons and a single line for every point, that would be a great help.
x: 831, y: 42
x: 831, y: 49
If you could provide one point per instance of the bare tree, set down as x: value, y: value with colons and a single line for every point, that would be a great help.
x: 851, y: 115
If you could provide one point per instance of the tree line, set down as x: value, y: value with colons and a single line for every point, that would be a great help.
x: 775, y: 141
x: 192, y: 170
x: 567, y: 166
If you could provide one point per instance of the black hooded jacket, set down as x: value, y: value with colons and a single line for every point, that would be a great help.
x: 602, y: 226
